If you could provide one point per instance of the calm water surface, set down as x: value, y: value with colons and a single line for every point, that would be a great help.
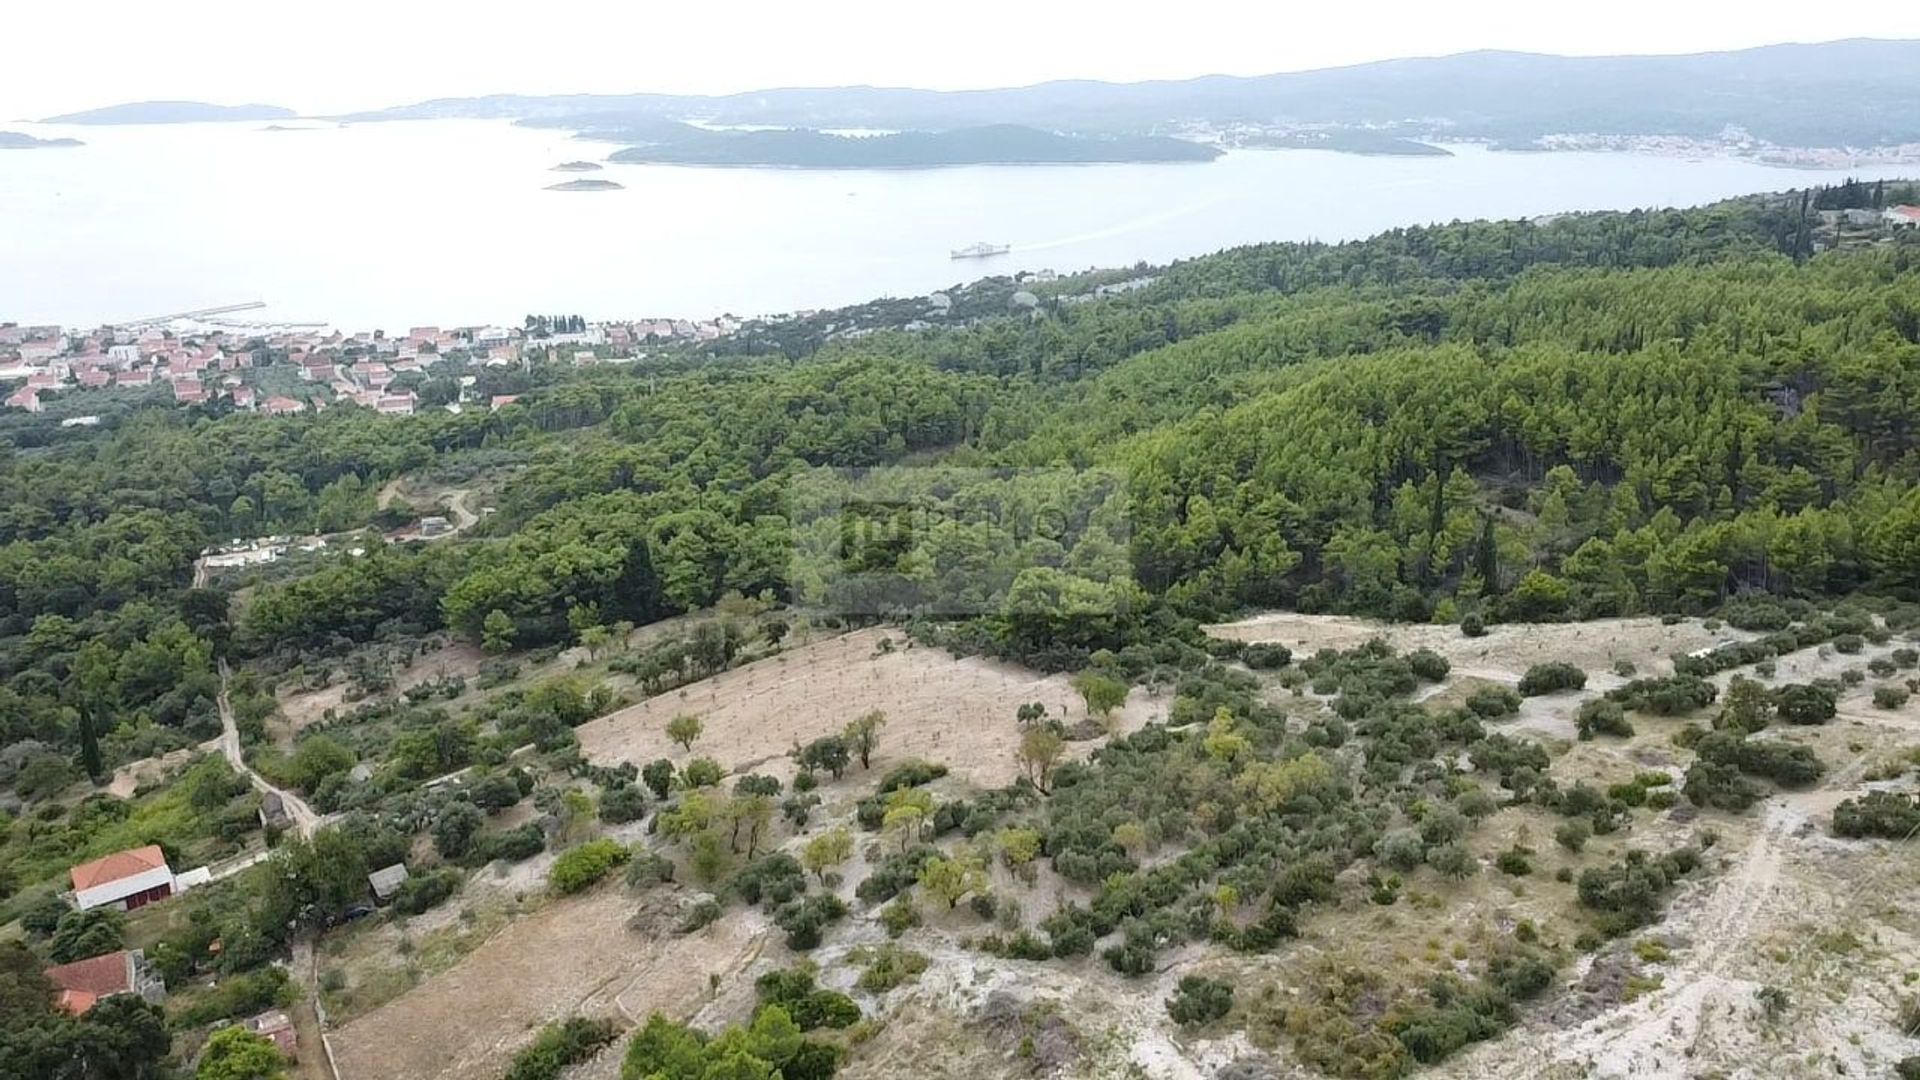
x: 448, y: 223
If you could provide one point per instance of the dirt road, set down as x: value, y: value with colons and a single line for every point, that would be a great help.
x: 305, y: 821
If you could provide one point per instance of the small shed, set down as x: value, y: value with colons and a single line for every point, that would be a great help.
x: 276, y: 1026
x: 273, y: 811
x: 387, y: 881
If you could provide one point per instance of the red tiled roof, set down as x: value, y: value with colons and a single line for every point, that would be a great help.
x: 121, y: 864
x: 84, y: 982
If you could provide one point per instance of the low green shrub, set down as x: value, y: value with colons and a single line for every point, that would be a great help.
x: 580, y: 867
x: 1551, y: 678
x: 1199, y: 1000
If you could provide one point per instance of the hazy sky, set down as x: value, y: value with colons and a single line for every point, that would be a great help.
x: 350, y: 54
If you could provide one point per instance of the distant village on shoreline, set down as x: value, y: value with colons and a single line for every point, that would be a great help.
x: 291, y: 370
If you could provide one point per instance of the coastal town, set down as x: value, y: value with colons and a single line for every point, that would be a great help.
x: 285, y: 370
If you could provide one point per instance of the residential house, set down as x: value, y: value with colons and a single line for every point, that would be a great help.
x: 281, y: 406
x: 83, y: 983
x: 501, y: 401
x: 1899, y: 217
x: 125, y: 880
x: 141, y: 376
x: 396, y: 404
x: 94, y: 378
x: 26, y: 398
x: 243, y: 397
x: 189, y: 391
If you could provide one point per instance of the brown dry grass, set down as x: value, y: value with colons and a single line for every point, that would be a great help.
x: 571, y: 957
x: 956, y: 711
x: 1505, y: 652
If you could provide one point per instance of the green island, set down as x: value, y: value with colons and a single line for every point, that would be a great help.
x: 172, y: 112
x: 1347, y: 141
x: 14, y: 140
x: 993, y: 144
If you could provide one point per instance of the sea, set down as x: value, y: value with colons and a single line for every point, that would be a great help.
x: 449, y: 222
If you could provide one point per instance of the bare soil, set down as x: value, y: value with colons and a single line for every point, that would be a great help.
x: 1504, y: 652
x: 570, y: 957
x: 128, y: 778
x: 298, y: 709
x: 960, y: 712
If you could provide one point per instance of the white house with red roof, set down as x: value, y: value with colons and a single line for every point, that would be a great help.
x: 125, y: 880
x: 1903, y: 217
x: 26, y: 398
x: 395, y: 404
x: 281, y: 406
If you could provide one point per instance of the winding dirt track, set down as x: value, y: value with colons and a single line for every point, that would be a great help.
x: 305, y: 821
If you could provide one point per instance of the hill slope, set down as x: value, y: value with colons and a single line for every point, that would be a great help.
x: 1843, y: 92
x: 171, y: 112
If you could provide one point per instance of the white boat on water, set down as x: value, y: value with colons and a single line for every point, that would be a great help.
x: 982, y: 250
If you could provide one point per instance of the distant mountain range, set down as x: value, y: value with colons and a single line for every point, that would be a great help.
x: 1857, y: 93
x: 172, y: 112
x: 13, y: 140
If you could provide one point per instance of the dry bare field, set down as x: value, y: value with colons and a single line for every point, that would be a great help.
x: 956, y: 711
x: 1507, y: 649
x: 570, y: 957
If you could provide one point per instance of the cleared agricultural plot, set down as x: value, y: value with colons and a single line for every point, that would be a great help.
x: 570, y: 957
x: 960, y: 712
x: 300, y: 708
x: 1504, y: 652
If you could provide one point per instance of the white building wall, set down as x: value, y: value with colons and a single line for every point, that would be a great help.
x: 115, y: 891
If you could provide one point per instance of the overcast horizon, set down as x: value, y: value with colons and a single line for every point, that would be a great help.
x: 367, y: 55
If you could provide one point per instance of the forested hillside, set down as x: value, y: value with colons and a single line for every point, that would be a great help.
x: 1601, y: 414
